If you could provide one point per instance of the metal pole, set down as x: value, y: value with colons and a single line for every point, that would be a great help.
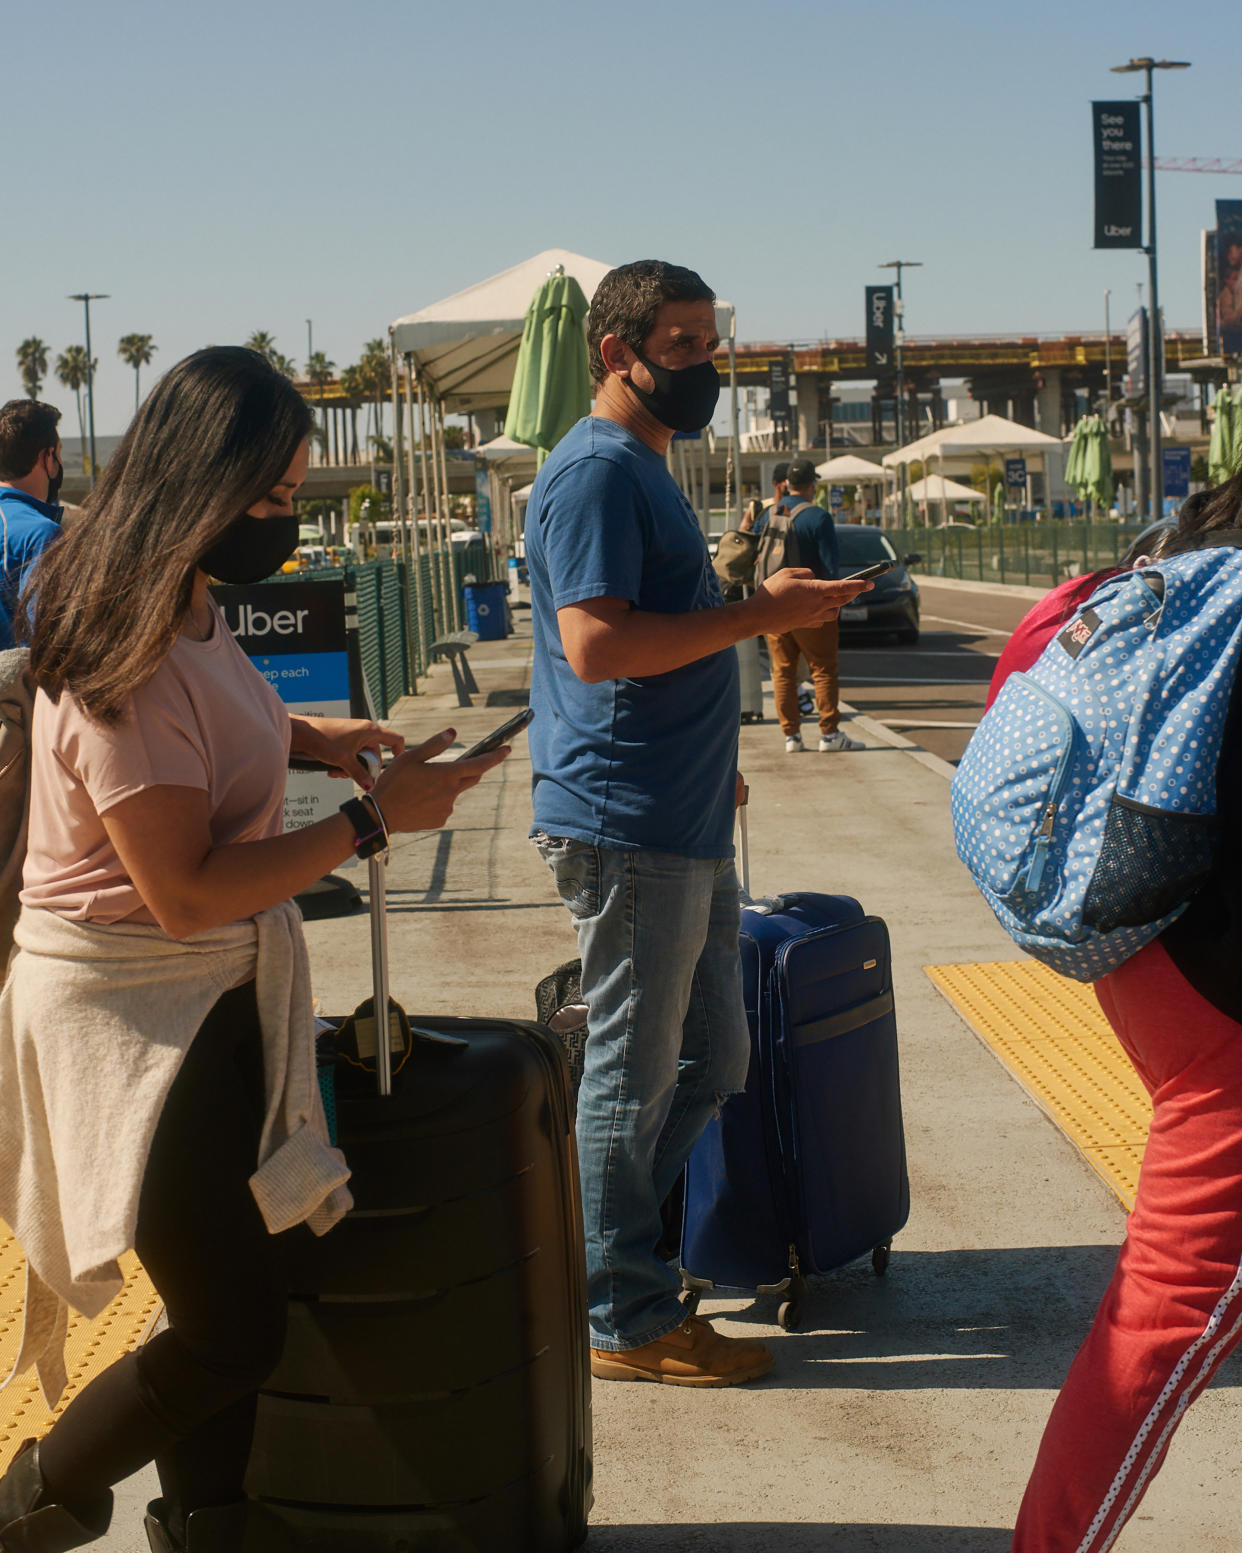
x: 86, y: 298
x: 427, y: 498
x: 735, y: 439
x: 401, y: 516
x: 1108, y: 359
x: 416, y: 564
x: 1154, y: 332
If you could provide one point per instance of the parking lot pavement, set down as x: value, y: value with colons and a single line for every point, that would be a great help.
x: 933, y: 693
x: 905, y: 1414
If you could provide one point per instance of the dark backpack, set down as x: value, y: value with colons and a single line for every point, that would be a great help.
x: 778, y: 544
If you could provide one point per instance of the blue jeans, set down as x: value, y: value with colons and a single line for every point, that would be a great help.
x: 667, y: 1040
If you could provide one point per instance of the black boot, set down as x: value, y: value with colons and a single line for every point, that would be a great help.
x: 31, y: 1523
x: 217, y: 1529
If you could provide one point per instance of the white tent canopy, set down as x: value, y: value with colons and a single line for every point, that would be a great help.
x: 994, y: 434
x: 989, y: 434
x: 937, y: 488
x: 849, y: 467
x: 465, y: 347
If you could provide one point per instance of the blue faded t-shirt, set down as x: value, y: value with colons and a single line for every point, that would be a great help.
x: 631, y: 763
x: 27, y: 528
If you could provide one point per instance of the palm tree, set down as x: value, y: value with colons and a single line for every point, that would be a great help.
x: 32, y: 364
x: 136, y: 350
x: 319, y: 370
x: 378, y: 375
x: 283, y: 363
x: 73, y: 370
x: 263, y: 342
x: 353, y: 383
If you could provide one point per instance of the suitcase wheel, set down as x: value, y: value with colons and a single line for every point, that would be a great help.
x: 880, y: 1258
x: 789, y: 1315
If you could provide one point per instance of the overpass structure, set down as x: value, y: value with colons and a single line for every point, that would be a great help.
x: 1030, y: 378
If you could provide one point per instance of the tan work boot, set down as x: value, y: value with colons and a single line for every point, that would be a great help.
x: 692, y: 1355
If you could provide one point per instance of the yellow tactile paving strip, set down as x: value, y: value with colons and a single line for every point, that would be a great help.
x: 90, y: 1348
x: 1053, y: 1038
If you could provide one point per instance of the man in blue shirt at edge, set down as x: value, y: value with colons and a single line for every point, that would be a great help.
x: 635, y: 783
x: 815, y: 545
x: 30, y: 476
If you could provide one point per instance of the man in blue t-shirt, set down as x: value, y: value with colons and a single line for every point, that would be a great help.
x: 812, y: 542
x: 634, y: 751
x: 30, y: 476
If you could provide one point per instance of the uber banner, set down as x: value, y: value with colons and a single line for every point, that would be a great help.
x: 1118, y: 176
x: 880, y: 330
x: 296, y: 636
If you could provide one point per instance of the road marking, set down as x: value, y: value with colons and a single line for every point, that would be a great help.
x: 898, y: 741
x: 932, y: 653
x: 901, y: 722
x: 967, y: 625
x: 906, y: 679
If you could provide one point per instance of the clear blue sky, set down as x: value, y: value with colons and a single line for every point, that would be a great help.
x: 225, y: 167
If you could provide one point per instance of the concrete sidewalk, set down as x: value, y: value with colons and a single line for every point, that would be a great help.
x: 904, y: 1417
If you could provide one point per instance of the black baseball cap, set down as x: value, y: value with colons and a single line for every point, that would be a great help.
x: 781, y: 472
x: 801, y: 473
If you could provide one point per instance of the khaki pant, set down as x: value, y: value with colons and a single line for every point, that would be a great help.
x: 818, y: 645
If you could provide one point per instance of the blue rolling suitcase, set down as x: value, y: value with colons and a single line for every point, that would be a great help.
x: 806, y: 1171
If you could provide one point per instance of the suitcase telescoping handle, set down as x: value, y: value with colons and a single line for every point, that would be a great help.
x: 743, y: 841
x: 377, y: 886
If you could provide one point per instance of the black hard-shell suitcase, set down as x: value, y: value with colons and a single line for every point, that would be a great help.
x: 434, y: 1392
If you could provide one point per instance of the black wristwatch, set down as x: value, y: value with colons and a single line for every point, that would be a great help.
x: 370, y: 834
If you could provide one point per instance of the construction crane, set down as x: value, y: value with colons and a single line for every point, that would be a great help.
x: 1197, y: 164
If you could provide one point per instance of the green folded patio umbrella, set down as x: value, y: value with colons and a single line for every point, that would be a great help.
x: 998, y: 503
x: 1073, y: 462
x: 1225, y: 444
x: 1097, y: 462
x: 551, y: 383
x: 1089, y: 467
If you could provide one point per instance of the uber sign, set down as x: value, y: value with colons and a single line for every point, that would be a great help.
x: 296, y: 636
x: 879, y: 329
x: 1118, y: 179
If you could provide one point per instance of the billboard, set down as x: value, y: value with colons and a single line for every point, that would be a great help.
x: 1118, y: 176
x: 880, y: 330
x: 1207, y: 260
x: 1136, y: 354
x: 1229, y: 276
x: 778, y: 389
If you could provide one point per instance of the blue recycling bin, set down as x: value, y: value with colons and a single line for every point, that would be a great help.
x: 486, y: 610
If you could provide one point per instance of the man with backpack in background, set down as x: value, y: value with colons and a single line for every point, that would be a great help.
x: 798, y: 533
x: 30, y: 476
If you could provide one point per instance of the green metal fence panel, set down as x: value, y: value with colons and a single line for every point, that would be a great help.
x: 1036, y: 554
x: 370, y: 632
x: 393, y: 641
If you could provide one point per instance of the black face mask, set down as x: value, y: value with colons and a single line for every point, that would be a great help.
x: 53, y: 485
x: 683, y: 400
x: 252, y: 548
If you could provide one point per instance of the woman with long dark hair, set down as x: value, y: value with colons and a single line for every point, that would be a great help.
x: 1173, y: 1309
x: 157, y: 1077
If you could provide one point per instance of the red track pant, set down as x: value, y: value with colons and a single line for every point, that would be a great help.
x: 1173, y: 1310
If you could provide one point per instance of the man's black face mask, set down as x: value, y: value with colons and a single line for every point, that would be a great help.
x: 683, y: 400
x: 53, y: 484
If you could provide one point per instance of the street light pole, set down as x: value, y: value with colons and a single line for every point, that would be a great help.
x: 1108, y: 360
x: 899, y: 340
x: 86, y: 298
x: 1155, y: 336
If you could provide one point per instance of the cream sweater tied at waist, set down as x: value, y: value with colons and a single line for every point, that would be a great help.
x: 94, y: 1023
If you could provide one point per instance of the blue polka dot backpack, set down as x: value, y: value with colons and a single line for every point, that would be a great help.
x: 1085, y: 804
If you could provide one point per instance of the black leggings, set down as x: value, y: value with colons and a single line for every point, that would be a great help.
x: 186, y: 1400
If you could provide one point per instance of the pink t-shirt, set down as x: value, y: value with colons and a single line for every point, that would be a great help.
x: 206, y: 718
